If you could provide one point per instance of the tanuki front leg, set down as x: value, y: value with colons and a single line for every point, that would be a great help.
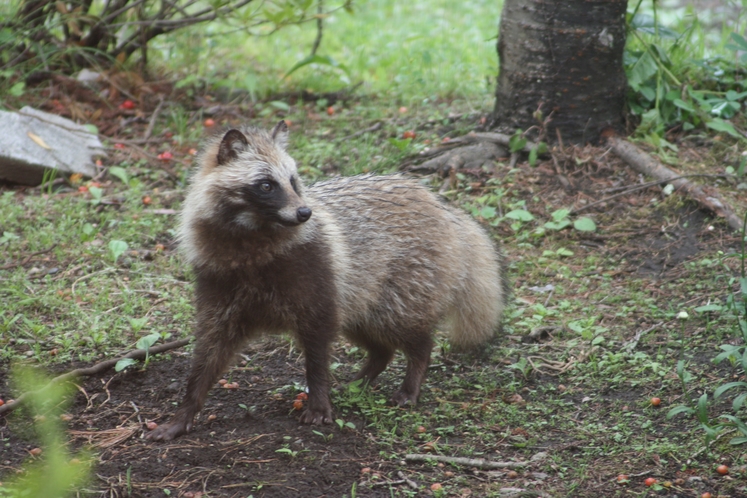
x: 316, y: 340
x: 213, y: 353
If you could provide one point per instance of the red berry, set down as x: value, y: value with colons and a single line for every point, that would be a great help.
x: 166, y: 156
x: 649, y: 481
x: 408, y: 134
x: 622, y: 478
x: 36, y: 451
x: 2, y: 402
x: 127, y: 104
x: 655, y: 401
x: 722, y: 469
x: 298, y: 404
x: 706, y: 495
x: 151, y: 425
x: 209, y: 123
x: 302, y: 396
x: 119, y: 146
x: 330, y: 110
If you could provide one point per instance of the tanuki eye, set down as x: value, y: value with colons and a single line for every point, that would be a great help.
x: 265, y: 186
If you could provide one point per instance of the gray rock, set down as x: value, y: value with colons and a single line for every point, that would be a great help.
x: 32, y: 141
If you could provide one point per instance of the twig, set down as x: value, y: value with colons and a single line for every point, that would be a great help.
x: 634, y: 342
x: 480, y: 463
x: 153, y: 118
x: 27, y: 259
x: 137, y: 354
x: 644, y: 163
x: 640, y: 187
x: 319, y: 26
x: 537, y: 334
x: 375, y: 127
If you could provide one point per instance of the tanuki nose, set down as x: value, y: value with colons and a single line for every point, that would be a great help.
x: 303, y: 214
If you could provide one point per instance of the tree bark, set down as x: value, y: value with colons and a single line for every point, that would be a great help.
x: 564, y: 57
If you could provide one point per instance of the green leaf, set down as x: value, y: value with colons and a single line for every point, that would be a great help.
x: 533, y: 156
x: 400, y: 143
x: 564, y: 252
x: 124, y: 363
x: 729, y: 385
x: 557, y: 225
x: 520, y: 215
x: 683, y: 105
x: 488, y: 212
x: 720, y: 125
x: 120, y: 173
x: 738, y: 440
x: 708, y: 307
x: 560, y: 214
x: 279, y: 104
x: 585, y: 225
x: 517, y: 142
x: 739, y: 42
x: 97, y: 193
x: 680, y: 409
x: 147, y: 341
x: 17, y: 89
x: 642, y: 69
x: 702, y: 412
x: 92, y: 128
x: 117, y: 248
x: 316, y: 59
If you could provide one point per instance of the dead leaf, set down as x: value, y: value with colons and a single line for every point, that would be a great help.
x: 38, y: 140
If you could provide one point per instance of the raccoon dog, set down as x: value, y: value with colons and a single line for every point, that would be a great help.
x: 378, y: 259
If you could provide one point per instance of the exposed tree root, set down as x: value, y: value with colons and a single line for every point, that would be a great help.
x: 469, y: 151
x: 137, y: 354
x: 707, y: 197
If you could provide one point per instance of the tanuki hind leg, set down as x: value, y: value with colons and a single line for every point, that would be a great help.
x: 379, y: 356
x: 417, y: 350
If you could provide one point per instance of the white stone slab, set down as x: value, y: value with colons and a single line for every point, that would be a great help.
x: 32, y: 141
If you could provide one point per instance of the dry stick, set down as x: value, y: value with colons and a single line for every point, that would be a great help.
x: 642, y: 186
x: 644, y: 163
x: 374, y: 127
x: 137, y: 354
x: 28, y: 258
x: 480, y: 463
x: 319, y: 27
x: 153, y: 118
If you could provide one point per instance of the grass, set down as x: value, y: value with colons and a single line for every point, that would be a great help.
x: 430, y: 50
x: 76, y: 302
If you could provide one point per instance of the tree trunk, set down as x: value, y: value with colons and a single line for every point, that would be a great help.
x: 564, y: 57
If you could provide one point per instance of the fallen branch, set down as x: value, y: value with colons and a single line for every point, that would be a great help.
x: 374, y: 127
x: 480, y: 463
x: 153, y: 118
x: 27, y: 259
x: 643, y: 163
x: 635, y: 188
x: 137, y: 354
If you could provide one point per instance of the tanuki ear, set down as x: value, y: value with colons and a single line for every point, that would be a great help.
x: 280, y: 134
x: 232, y: 144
